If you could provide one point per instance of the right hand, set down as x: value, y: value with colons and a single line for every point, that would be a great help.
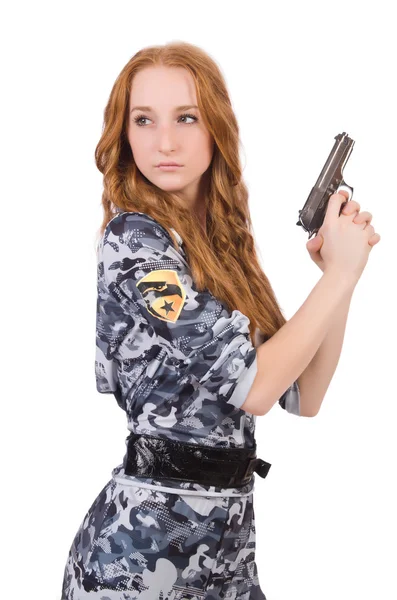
x: 345, y: 248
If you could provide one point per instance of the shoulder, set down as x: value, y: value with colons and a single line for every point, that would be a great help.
x: 138, y: 224
x: 137, y: 231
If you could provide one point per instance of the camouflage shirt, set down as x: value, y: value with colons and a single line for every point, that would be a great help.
x: 178, y: 362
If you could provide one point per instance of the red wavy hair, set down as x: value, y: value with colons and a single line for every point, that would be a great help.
x: 225, y: 260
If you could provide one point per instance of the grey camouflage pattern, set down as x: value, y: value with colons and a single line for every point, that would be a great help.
x: 183, y: 380
x: 183, y: 375
x: 140, y: 544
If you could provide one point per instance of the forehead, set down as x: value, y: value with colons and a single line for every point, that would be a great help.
x: 163, y: 87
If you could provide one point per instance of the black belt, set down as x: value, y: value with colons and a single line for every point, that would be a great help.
x: 148, y: 456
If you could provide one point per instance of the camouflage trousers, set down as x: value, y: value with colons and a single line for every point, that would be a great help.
x: 136, y: 543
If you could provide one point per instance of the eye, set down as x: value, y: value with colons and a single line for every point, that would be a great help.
x: 189, y: 117
x: 143, y: 118
x: 137, y: 119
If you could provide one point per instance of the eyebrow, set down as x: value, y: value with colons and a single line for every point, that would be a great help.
x: 149, y: 108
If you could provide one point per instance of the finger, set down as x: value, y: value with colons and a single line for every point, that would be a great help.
x: 351, y: 207
x: 344, y: 193
x: 363, y: 216
x: 374, y: 239
x: 334, y: 205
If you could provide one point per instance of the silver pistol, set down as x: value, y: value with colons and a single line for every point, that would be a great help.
x: 330, y: 181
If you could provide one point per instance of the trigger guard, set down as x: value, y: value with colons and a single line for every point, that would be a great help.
x: 346, y: 188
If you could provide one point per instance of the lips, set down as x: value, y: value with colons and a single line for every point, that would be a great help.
x: 169, y: 164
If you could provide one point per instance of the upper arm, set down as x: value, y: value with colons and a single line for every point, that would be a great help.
x: 256, y: 403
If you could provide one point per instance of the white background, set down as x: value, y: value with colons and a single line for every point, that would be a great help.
x: 298, y: 74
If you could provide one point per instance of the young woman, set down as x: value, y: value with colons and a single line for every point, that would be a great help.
x: 183, y: 311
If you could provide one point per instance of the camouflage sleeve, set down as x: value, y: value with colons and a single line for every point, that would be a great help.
x: 177, y: 330
x: 290, y: 400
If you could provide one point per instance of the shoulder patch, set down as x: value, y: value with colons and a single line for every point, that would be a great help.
x: 163, y: 293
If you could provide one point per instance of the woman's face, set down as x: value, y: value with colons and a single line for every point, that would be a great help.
x: 164, y: 132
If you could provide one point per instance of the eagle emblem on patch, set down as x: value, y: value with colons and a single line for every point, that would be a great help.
x: 163, y: 294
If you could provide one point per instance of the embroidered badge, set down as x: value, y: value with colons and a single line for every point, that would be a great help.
x: 163, y: 294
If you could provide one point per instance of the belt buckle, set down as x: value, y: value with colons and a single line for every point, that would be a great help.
x: 250, y: 469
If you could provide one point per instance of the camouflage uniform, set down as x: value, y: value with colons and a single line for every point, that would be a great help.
x: 180, y: 364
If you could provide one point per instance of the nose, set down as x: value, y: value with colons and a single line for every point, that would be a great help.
x: 166, y: 138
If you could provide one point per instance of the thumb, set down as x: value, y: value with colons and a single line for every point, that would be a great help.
x: 315, y: 243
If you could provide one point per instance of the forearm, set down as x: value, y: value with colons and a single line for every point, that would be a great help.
x: 284, y: 357
x: 315, y: 379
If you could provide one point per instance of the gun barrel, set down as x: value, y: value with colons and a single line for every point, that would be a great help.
x: 333, y: 167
